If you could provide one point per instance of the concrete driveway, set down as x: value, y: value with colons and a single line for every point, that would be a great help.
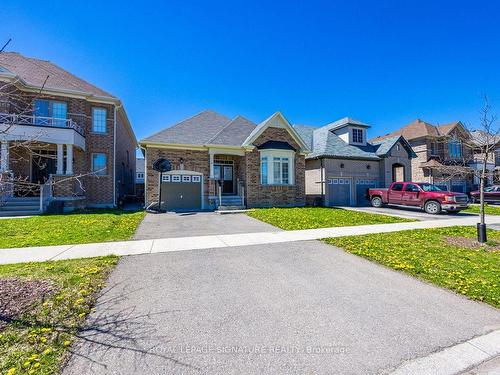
x: 290, y: 308
x: 409, y: 212
x: 171, y: 224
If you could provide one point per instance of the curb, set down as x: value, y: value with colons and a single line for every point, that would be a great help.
x: 454, y: 359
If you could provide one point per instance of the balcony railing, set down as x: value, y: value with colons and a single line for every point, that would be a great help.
x: 13, y: 119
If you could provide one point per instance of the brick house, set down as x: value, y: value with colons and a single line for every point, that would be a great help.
x: 343, y: 164
x: 81, y: 143
x: 217, y: 161
x: 437, y: 147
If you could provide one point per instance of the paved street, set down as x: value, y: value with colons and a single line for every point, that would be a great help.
x: 168, y: 225
x: 283, y: 308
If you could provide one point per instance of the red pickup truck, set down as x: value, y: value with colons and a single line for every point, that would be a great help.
x: 420, y: 194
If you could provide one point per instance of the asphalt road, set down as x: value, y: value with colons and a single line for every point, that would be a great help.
x: 288, y: 308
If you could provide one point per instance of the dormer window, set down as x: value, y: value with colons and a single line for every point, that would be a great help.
x: 357, y: 136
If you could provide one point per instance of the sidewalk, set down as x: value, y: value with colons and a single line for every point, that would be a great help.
x: 45, y: 253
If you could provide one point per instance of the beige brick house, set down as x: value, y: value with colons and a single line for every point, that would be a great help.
x: 217, y: 161
x: 343, y: 164
x: 435, y: 147
x: 65, y: 138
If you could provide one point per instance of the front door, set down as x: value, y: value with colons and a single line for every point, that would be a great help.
x: 43, y: 164
x: 224, y: 173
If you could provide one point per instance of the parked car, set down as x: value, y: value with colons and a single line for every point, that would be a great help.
x: 491, y: 194
x: 419, y: 194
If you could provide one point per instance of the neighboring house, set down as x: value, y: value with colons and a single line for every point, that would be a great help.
x: 483, y: 142
x: 80, y: 140
x: 343, y: 165
x: 437, y: 147
x: 139, y: 179
x: 218, y: 161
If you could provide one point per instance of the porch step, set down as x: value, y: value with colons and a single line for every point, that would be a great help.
x: 18, y: 213
x: 230, y: 208
x: 20, y: 207
x: 230, y: 200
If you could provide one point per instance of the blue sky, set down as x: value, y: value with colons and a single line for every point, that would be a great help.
x: 382, y: 62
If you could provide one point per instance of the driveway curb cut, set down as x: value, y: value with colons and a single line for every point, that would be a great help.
x: 455, y: 359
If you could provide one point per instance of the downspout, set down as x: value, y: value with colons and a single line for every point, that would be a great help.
x: 145, y: 174
x: 322, y: 183
x: 114, y: 153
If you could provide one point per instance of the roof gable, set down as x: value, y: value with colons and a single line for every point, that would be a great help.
x: 276, y: 120
x: 384, y: 146
x: 234, y: 133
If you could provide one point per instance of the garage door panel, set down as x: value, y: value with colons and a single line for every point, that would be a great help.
x: 181, y: 192
x: 339, y: 191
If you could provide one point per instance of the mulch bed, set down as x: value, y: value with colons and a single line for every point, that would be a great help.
x: 470, y: 243
x: 18, y: 296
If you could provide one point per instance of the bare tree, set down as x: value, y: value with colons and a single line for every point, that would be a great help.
x: 14, y: 105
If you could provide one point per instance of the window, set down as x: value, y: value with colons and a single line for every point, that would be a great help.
x: 433, y: 149
x: 397, y: 187
x: 276, y: 167
x: 357, y: 136
x: 412, y: 188
x: 140, y: 175
x: 50, y: 112
x: 99, y: 120
x: 263, y: 170
x: 99, y: 164
x: 455, y: 149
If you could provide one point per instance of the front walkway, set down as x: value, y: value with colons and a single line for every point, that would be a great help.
x: 45, y: 253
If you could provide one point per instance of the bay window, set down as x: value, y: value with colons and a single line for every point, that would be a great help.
x: 276, y: 167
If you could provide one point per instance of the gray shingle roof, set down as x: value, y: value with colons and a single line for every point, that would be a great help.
x: 345, y: 122
x: 234, y: 133
x: 323, y: 142
x: 34, y: 72
x: 196, y: 130
x: 384, y: 146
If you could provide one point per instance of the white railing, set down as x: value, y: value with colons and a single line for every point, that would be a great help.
x: 45, y: 194
x: 13, y: 119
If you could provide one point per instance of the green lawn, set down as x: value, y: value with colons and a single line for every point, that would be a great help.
x: 35, y: 342
x: 71, y: 228
x: 473, y: 272
x: 490, y: 210
x: 318, y: 217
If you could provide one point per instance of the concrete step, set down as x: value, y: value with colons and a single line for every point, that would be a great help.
x: 21, y: 203
x: 230, y: 208
x: 23, y: 199
x: 12, y: 207
x: 19, y: 213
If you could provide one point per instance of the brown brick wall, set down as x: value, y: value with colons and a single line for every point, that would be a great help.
x: 98, y: 189
x: 197, y: 161
x: 258, y: 195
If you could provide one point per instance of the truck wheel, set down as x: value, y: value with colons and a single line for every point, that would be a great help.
x: 377, y: 202
x: 432, y: 207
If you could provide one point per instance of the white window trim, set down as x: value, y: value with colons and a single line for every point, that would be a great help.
x: 105, y: 120
x: 271, y: 154
x: 362, y: 136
